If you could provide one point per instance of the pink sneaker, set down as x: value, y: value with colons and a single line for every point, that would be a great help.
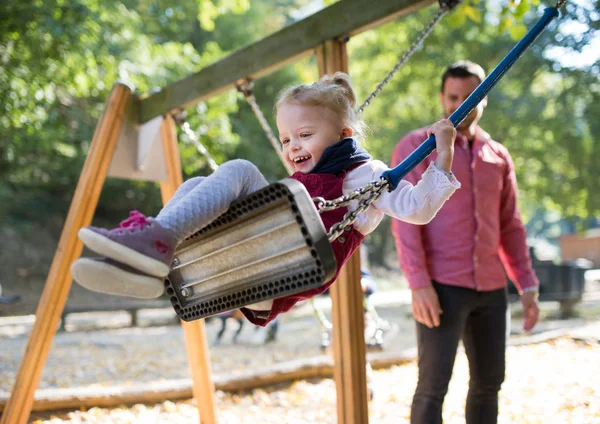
x: 105, y: 275
x: 139, y: 242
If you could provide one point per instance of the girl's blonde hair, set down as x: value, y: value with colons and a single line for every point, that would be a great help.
x: 334, y: 92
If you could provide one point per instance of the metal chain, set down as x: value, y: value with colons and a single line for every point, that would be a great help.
x: 560, y: 3
x: 422, y: 36
x: 329, y: 205
x: 246, y: 89
x: 374, y: 189
x: 180, y: 119
x: 368, y: 194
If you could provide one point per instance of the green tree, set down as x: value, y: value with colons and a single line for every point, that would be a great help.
x: 59, y: 60
x: 542, y: 110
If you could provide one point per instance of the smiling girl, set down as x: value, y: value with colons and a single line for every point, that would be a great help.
x: 319, y: 131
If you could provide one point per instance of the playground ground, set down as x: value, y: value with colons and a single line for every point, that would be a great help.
x: 555, y: 381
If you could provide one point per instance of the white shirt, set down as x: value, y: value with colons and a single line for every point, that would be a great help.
x: 416, y: 204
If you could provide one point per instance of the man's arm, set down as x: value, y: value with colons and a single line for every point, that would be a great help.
x: 409, y: 245
x: 409, y: 237
x: 514, y: 252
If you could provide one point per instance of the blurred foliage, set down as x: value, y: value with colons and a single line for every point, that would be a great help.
x: 59, y: 60
x: 542, y: 110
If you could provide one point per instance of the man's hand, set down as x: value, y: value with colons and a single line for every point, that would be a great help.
x: 531, y: 311
x: 426, y: 306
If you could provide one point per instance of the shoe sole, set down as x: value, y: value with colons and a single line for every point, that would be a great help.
x: 101, y: 277
x: 109, y: 248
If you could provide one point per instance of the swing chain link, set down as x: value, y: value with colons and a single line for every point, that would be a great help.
x: 375, y: 188
x: 246, y: 89
x: 372, y: 191
x: 368, y: 194
x: 560, y: 3
x: 180, y: 118
x: 413, y: 48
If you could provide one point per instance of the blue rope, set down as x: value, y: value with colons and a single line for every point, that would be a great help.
x: 393, y: 176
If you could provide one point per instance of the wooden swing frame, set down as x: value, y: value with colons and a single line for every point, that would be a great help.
x: 323, y: 34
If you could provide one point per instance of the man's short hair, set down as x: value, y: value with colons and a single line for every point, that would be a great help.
x: 463, y: 69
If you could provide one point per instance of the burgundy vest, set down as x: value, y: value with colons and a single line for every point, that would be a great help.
x: 328, y: 186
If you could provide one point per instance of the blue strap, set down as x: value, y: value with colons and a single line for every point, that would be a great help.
x: 393, y: 176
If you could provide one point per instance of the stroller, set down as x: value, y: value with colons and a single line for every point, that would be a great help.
x: 9, y: 300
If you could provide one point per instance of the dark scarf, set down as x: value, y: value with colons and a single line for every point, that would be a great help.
x: 340, y: 156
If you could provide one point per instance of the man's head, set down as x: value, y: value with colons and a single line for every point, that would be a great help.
x: 458, y: 82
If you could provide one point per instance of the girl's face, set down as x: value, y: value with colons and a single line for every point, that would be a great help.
x: 305, y: 132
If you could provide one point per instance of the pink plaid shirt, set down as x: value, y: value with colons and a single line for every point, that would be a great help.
x: 477, y: 231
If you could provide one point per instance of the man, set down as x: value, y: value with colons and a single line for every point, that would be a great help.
x: 454, y: 263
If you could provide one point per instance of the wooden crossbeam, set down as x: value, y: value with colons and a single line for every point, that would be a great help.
x: 344, y: 18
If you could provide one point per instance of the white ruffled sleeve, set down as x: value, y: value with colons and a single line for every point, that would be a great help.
x: 420, y: 203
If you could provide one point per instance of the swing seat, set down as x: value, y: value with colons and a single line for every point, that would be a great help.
x: 269, y: 244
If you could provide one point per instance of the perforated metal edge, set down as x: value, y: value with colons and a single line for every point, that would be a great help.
x: 281, y: 284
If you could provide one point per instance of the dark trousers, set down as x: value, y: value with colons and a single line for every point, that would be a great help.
x: 479, y: 318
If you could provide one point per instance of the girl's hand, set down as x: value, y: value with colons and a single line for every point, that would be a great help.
x: 445, y: 134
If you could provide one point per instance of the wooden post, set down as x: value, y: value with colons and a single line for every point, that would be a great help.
x: 347, y: 301
x: 58, y: 283
x: 194, y: 332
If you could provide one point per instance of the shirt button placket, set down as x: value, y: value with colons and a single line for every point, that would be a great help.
x: 475, y: 260
x: 476, y: 214
x: 476, y: 237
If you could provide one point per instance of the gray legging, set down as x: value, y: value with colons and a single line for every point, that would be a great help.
x: 200, y: 200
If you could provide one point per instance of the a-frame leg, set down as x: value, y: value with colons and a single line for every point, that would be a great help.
x: 58, y: 282
x: 194, y: 332
x: 347, y: 301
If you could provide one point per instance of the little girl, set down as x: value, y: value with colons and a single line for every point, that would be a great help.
x: 317, y: 124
